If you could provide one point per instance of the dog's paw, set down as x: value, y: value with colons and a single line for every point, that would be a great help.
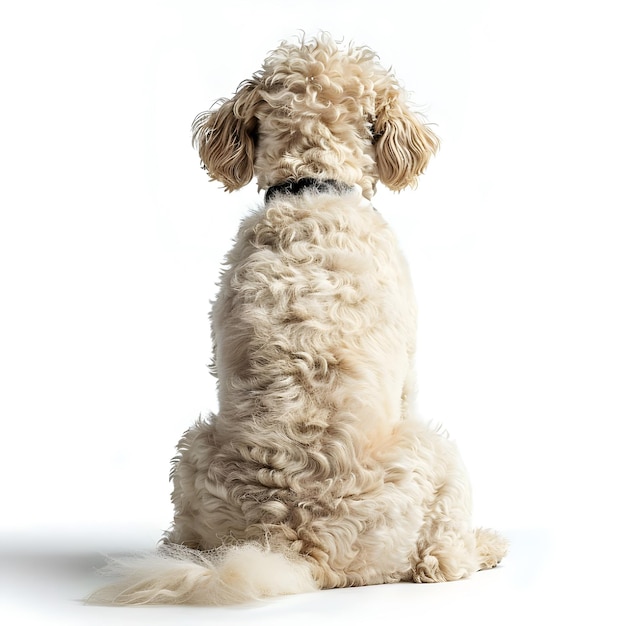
x: 491, y: 548
x: 428, y: 571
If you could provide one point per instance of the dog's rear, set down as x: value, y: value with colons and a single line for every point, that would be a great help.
x: 315, y: 473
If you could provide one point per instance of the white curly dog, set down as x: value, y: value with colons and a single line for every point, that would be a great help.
x: 316, y: 472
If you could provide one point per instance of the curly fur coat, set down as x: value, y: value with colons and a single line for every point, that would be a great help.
x: 316, y: 472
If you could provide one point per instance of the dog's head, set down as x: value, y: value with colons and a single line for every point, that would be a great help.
x: 315, y: 110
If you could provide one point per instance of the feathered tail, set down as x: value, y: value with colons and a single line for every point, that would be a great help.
x: 232, y: 575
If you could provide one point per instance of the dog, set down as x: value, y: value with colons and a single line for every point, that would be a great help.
x: 316, y: 472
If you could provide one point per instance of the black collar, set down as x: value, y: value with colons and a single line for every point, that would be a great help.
x: 294, y: 187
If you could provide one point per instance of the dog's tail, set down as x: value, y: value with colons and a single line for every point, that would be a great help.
x: 231, y: 575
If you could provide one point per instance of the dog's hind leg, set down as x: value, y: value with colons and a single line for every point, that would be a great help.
x: 445, y: 551
x: 451, y: 554
x: 491, y: 547
x: 448, y: 547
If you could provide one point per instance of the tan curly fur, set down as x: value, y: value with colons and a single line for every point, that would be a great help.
x: 316, y: 110
x: 316, y: 472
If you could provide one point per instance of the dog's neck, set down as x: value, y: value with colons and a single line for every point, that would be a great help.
x: 295, y: 187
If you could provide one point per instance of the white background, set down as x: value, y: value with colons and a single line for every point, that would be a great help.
x: 110, y: 245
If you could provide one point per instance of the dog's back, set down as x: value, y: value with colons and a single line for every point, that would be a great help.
x: 314, y: 339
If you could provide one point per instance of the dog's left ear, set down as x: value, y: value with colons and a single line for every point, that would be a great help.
x: 225, y: 138
x: 403, y: 143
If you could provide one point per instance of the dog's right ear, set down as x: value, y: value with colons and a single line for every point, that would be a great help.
x: 225, y: 138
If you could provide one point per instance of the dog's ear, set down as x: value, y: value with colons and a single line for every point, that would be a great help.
x: 403, y: 143
x: 225, y: 138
